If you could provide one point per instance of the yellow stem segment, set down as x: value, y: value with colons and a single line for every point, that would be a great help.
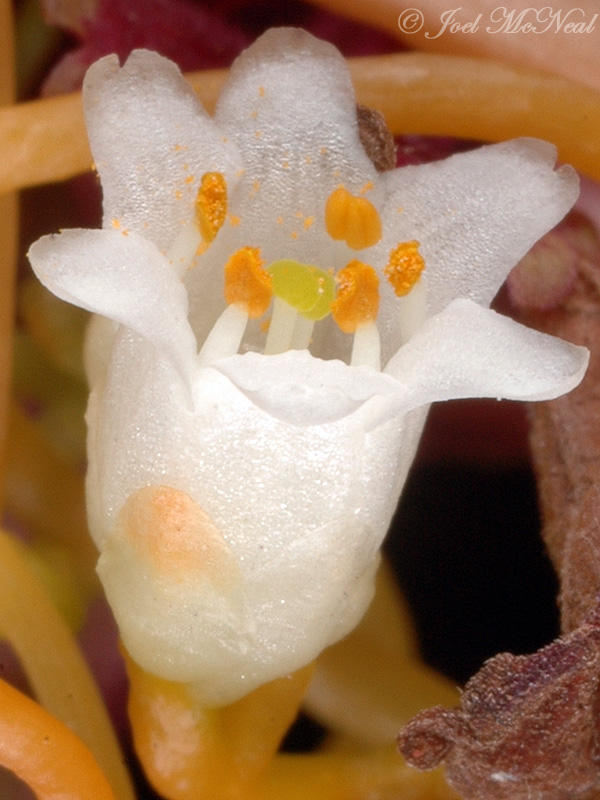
x: 44, y: 140
x: 45, y: 754
x: 372, y: 682
x: 491, y: 30
x: 8, y: 231
x: 189, y: 751
x: 336, y: 776
x: 54, y: 665
x: 46, y: 495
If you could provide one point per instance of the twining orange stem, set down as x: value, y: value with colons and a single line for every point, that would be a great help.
x: 491, y: 30
x: 8, y: 232
x: 44, y: 140
x: 46, y: 754
x: 339, y: 776
x: 55, y: 667
x: 474, y: 98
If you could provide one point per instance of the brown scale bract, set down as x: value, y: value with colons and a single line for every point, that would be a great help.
x: 526, y: 727
x: 376, y: 138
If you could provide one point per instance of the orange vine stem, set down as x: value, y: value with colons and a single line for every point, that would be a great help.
x: 46, y: 754
x: 54, y: 664
x: 8, y: 232
x: 44, y: 140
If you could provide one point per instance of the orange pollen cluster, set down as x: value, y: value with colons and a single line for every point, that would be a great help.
x: 211, y: 204
x: 357, y: 300
x: 246, y: 282
x: 353, y: 219
x: 404, y: 267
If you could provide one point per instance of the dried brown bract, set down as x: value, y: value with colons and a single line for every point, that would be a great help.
x: 526, y: 728
x: 529, y: 726
x: 565, y: 436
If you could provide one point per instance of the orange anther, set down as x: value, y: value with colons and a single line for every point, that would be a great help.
x: 211, y: 204
x: 357, y: 300
x: 404, y: 267
x: 353, y: 219
x: 247, y: 283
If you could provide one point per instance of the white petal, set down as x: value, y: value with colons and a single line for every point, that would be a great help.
x: 475, y: 214
x: 151, y: 141
x: 125, y: 278
x: 469, y: 351
x: 302, y: 390
x: 290, y: 108
x: 303, y: 511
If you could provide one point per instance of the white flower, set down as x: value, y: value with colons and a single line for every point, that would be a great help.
x: 239, y: 499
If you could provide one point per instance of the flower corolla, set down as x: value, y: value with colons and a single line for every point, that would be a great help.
x: 243, y: 473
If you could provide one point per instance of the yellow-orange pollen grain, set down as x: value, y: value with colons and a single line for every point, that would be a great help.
x: 352, y: 218
x: 211, y: 204
x: 404, y: 267
x: 357, y: 300
x: 247, y: 283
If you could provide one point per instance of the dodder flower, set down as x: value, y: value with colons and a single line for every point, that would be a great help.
x: 241, y: 479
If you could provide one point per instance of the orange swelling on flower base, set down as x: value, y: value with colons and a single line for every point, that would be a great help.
x: 229, y: 753
x: 46, y: 754
x: 190, y: 752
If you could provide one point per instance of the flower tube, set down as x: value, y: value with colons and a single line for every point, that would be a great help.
x: 243, y: 471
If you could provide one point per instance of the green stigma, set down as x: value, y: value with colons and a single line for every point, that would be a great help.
x: 306, y: 288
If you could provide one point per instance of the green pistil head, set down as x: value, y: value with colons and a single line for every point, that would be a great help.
x: 306, y: 288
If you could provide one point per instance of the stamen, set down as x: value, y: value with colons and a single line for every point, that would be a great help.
x: 353, y: 219
x: 303, y: 330
x: 355, y: 310
x: 366, y: 347
x: 226, y: 335
x: 404, y: 267
x: 211, y: 204
x: 184, y: 248
x: 357, y: 300
x: 281, y: 327
x: 248, y: 294
x: 198, y: 233
x: 247, y: 284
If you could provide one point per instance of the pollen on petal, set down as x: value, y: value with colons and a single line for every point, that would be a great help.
x: 211, y: 204
x: 404, y: 267
x: 357, y: 300
x: 169, y: 528
x: 353, y: 219
x: 247, y: 283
